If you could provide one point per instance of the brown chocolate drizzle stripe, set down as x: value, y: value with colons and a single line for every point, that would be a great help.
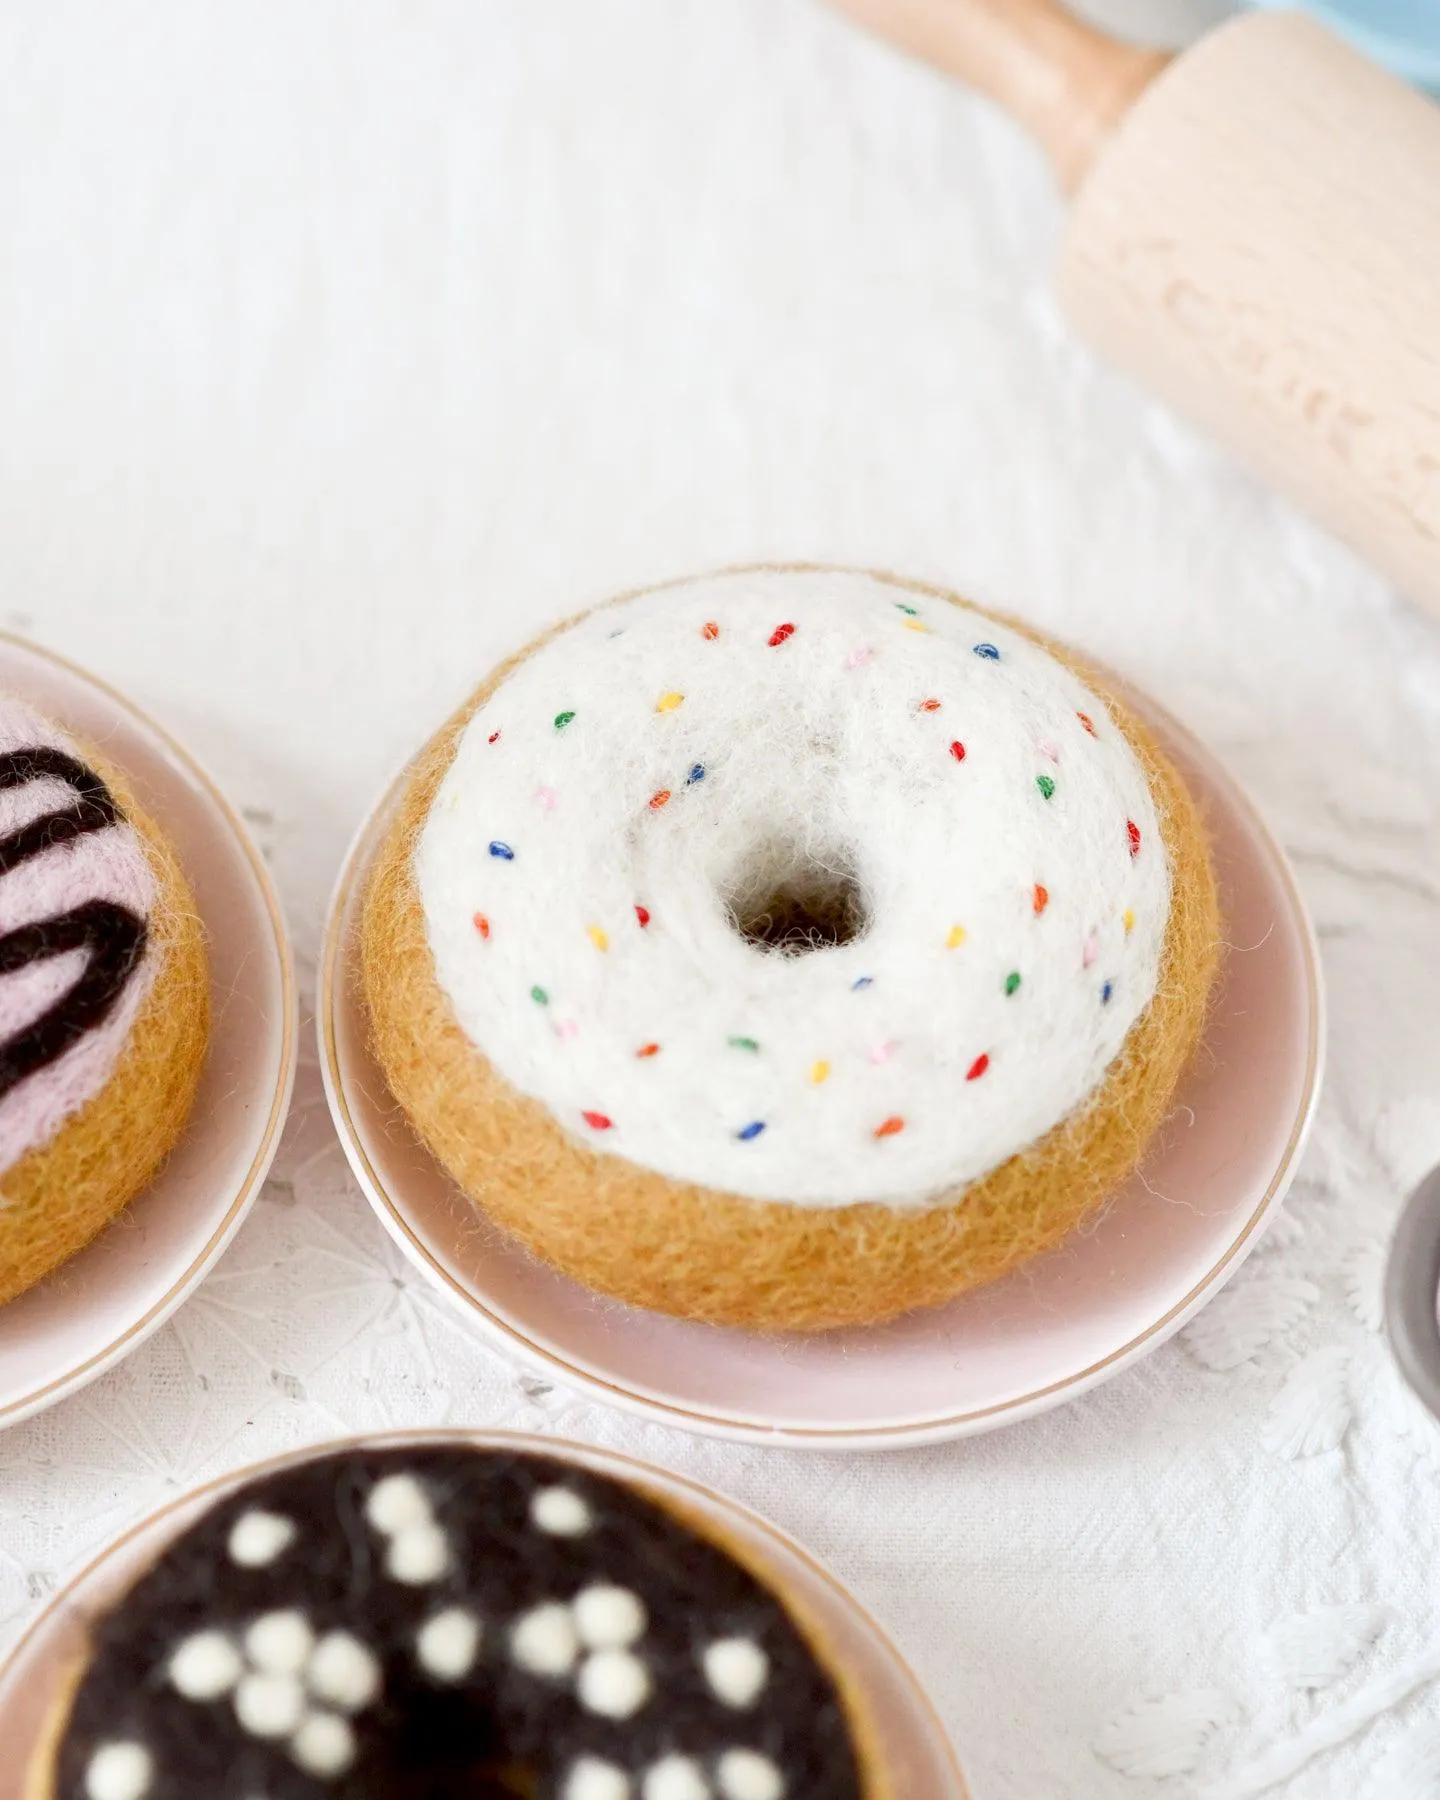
x: 94, y: 808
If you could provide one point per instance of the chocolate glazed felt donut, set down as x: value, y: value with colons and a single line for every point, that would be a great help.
x: 103, y: 997
x: 790, y: 948
x: 455, y: 1623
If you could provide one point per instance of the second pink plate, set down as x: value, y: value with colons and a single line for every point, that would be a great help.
x: 1111, y: 1294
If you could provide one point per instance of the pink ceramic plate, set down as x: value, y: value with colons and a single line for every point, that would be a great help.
x: 1047, y: 1333
x: 916, y: 1750
x: 115, y: 1293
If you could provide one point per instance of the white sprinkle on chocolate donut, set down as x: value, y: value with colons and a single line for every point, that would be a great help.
x: 544, y: 1642
x: 418, y: 1555
x: 746, y: 1775
x: 205, y: 1666
x: 397, y: 1504
x: 324, y: 1745
x: 258, y: 1538
x: 613, y: 1683
x: 561, y: 1512
x: 343, y: 1672
x: 675, y: 1778
x: 119, y: 1772
x: 279, y: 1643
x: 609, y: 1618
x: 269, y: 1706
x: 448, y: 1644
x: 736, y: 1670
x: 591, y: 1779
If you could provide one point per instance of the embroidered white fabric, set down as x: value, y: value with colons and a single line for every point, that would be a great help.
x: 832, y: 753
x: 342, y: 347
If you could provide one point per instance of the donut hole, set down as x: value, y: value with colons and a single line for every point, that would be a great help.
x: 488, y: 1780
x: 791, y: 899
x: 458, y: 1748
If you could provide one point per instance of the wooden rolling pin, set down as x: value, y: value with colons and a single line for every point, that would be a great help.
x: 1255, y: 235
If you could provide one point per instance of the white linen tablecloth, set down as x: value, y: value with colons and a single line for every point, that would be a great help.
x: 343, y: 343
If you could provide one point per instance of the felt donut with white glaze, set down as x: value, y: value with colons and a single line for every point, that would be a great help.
x: 103, y: 997
x: 456, y: 1623
x: 790, y: 948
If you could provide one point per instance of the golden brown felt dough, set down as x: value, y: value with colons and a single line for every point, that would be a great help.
x: 678, y: 1248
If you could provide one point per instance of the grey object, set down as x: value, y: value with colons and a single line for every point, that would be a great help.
x: 1412, y: 1284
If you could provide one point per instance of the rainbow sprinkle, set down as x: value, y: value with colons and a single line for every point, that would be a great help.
x: 562, y: 719
x: 748, y: 1133
x: 501, y: 850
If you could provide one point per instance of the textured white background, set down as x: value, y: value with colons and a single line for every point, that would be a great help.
x: 343, y: 344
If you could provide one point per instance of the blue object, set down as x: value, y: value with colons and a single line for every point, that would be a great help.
x: 1402, y: 34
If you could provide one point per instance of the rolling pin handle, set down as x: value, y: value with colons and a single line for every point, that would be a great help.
x: 1066, y: 83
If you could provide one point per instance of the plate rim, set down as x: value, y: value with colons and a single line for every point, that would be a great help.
x: 904, y: 1434
x: 81, y: 1374
x: 507, y: 1438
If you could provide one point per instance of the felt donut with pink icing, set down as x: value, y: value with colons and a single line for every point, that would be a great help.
x: 103, y: 996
